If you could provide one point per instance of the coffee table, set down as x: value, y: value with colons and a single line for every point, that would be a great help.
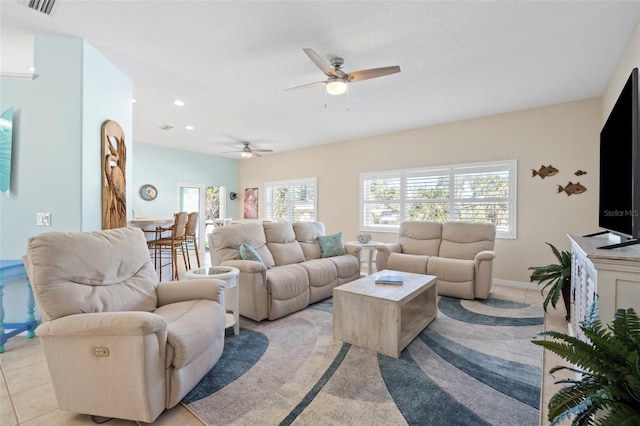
x: 384, y: 317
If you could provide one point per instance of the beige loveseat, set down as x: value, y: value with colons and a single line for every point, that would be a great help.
x: 460, y: 254
x: 117, y: 342
x: 293, y: 272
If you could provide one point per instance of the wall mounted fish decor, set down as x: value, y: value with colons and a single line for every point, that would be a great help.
x: 572, y: 188
x: 545, y: 171
x: 580, y: 173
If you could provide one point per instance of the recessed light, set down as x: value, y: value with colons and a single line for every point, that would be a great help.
x: 133, y: 100
x: 189, y: 127
x: 178, y: 102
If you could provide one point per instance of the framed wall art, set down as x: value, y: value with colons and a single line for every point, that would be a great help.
x: 251, y: 203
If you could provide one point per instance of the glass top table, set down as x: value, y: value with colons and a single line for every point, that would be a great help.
x: 230, y: 295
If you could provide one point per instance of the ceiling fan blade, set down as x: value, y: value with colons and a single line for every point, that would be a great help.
x: 304, y: 86
x: 261, y: 150
x: 371, y: 73
x: 320, y: 63
x: 254, y: 153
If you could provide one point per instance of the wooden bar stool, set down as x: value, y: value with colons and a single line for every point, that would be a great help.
x: 190, y: 237
x: 170, y: 245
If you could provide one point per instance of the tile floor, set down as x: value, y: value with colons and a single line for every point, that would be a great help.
x: 27, y: 398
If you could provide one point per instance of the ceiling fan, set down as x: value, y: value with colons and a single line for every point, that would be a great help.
x: 248, y: 152
x: 337, y: 79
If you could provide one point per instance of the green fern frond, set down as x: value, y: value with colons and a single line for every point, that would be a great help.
x: 555, y: 251
x: 605, y: 367
x: 552, y: 277
x: 593, y: 314
x: 574, y: 405
x: 623, y: 417
x: 626, y: 325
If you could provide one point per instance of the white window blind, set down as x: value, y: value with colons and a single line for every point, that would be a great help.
x: 480, y: 192
x: 291, y: 200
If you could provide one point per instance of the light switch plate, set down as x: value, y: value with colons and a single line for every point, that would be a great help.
x: 43, y: 219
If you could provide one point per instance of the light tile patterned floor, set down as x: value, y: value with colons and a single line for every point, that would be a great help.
x: 27, y: 398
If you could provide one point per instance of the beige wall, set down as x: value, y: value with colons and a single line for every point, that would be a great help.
x: 629, y: 60
x: 565, y: 135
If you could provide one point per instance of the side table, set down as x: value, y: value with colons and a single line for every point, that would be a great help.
x: 13, y: 270
x: 230, y: 295
x: 371, y: 248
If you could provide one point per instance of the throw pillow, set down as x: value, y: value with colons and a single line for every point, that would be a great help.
x: 332, y: 245
x: 249, y: 253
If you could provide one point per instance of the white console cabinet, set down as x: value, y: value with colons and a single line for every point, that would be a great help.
x: 614, y: 275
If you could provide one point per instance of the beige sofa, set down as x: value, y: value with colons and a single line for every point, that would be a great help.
x: 117, y: 342
x: 459, y: 254
x: 292, y: 274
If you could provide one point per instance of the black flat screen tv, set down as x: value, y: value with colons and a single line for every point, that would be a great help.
x: 619, y: 204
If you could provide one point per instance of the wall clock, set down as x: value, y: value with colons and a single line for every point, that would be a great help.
x: 148, y: 192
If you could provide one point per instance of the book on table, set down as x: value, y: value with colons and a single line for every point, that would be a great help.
x: 389, y: 279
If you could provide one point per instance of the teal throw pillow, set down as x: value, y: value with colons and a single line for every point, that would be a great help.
x: 332, y: 245
x: 249, y: 253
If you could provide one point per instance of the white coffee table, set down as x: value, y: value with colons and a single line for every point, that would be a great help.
x: 230, y: 295
x: 384, y: 317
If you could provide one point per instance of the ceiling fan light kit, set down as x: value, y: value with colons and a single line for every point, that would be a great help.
x: 247, y: 152
x: 336, y: 83
x: 336, y: 86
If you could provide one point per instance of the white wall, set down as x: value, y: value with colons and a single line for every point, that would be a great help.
x: 564, y: 135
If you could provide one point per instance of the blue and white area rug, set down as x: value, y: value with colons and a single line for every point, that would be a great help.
x: 474, y: 365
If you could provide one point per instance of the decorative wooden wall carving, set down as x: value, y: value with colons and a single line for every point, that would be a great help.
x: 114, y: 185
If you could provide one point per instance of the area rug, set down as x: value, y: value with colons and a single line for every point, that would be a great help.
x: 474, y: 365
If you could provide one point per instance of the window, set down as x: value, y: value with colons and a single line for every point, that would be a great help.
x: 291, y: 200
x: 480, y: 192
x: 202, y: 198
x: 214, y: 202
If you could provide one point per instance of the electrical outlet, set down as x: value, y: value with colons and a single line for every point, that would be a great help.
x: 43, y: 219
x: 101, y: 351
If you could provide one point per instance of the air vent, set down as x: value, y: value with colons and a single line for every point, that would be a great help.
x: 165, y: 127
x: 42, y: 6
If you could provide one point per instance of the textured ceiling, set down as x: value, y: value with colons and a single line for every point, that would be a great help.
x: 230, y: 62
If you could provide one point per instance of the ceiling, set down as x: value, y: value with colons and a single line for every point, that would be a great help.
x: 230, y: 61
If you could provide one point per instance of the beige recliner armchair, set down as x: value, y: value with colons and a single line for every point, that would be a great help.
x: 459, y: 254
x: 119, y: 343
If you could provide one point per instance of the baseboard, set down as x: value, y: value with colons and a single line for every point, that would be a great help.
x: 515, y: 284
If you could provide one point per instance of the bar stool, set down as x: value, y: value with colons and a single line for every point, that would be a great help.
x: 170, y: 244
x: 190, y: 237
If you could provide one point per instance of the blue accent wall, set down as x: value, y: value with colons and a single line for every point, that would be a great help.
x: 167, y: 168
x: 56, y: 165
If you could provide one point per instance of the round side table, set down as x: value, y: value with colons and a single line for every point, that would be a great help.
x: 371, y: 248
x: 230, y: 295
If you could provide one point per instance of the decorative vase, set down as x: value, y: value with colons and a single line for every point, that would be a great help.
x: 363, y: 238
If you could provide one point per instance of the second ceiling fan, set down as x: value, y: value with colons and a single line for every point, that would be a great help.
x: 337, y: 79
x: 248, y: 152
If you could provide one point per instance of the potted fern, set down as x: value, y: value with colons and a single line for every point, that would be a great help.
x: 557, y: 277
x: 606, y: 388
